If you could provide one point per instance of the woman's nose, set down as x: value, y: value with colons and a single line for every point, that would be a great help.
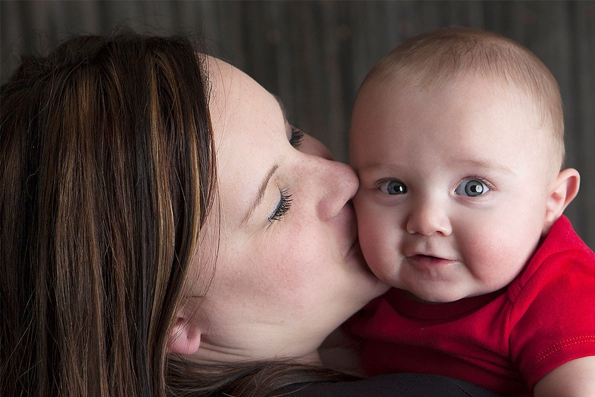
x: 339, y: 185
x: 428, y: 217
x: 331, y: 185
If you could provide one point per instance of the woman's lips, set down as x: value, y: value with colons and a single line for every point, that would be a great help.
x: 355, y: 252
x: 355, y: 249
x: 354, y: 244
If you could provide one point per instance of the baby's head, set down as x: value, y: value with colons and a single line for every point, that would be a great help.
x: 457, y: 136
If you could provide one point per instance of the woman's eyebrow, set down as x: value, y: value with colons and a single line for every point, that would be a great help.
x: 261, y: 191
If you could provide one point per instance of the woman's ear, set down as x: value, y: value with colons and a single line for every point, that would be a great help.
x: 563, y: 191
x: 184, y: 337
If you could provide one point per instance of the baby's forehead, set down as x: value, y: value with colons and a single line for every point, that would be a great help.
x: 465, y: 86
x: 481, y: 109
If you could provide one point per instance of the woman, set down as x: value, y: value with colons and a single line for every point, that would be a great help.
x: 159, y: 232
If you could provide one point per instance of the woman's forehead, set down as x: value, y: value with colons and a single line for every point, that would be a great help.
x: 249, y: 129
x: 224, y: 80
x: 233, y: 93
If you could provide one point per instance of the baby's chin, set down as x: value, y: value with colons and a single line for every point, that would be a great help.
x: 431, y: 300
x: 435, y: 297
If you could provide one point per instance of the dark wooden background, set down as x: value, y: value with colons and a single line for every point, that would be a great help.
x: 314, y: 54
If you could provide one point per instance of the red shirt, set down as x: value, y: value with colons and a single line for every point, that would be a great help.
x: 505, y: 341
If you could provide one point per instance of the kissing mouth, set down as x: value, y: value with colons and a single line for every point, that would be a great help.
x: 355, y: 253
x: 355, y: 247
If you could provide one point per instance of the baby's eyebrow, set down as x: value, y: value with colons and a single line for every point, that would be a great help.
x: 375, y: 166
x: 488, y: 165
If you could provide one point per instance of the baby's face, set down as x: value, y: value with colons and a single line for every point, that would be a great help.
x: 454, y: 184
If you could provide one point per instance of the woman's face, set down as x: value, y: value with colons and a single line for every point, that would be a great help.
x: 288, y: 269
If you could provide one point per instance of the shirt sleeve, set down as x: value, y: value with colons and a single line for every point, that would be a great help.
x: 554, y: 317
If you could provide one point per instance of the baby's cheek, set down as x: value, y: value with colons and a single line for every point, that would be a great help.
x: 493, y: 257
x: 375, y: 229
x: 366, y: 212
x: 374, y: 247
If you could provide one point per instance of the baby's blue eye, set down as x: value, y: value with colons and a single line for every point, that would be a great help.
x: 471, y: 188
x: 393, y: 187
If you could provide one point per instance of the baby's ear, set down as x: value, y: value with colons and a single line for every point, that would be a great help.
x: 184, y: 337
x: 564, y: 189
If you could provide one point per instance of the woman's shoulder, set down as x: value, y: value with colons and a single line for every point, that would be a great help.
x: 398, y: 385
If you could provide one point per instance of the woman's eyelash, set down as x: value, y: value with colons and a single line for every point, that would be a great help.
x: 284, y: 204
x: 297, y: 136
x: 282, y: 207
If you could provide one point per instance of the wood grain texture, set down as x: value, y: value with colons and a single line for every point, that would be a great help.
x: 314, y: 54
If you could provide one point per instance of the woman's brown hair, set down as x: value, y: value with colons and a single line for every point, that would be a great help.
x: 106, y: 174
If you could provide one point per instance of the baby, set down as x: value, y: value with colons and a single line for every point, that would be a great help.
x: 457, y: 137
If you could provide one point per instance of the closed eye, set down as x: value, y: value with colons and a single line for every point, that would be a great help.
x: 297, y: 136
x: 283, y: 205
